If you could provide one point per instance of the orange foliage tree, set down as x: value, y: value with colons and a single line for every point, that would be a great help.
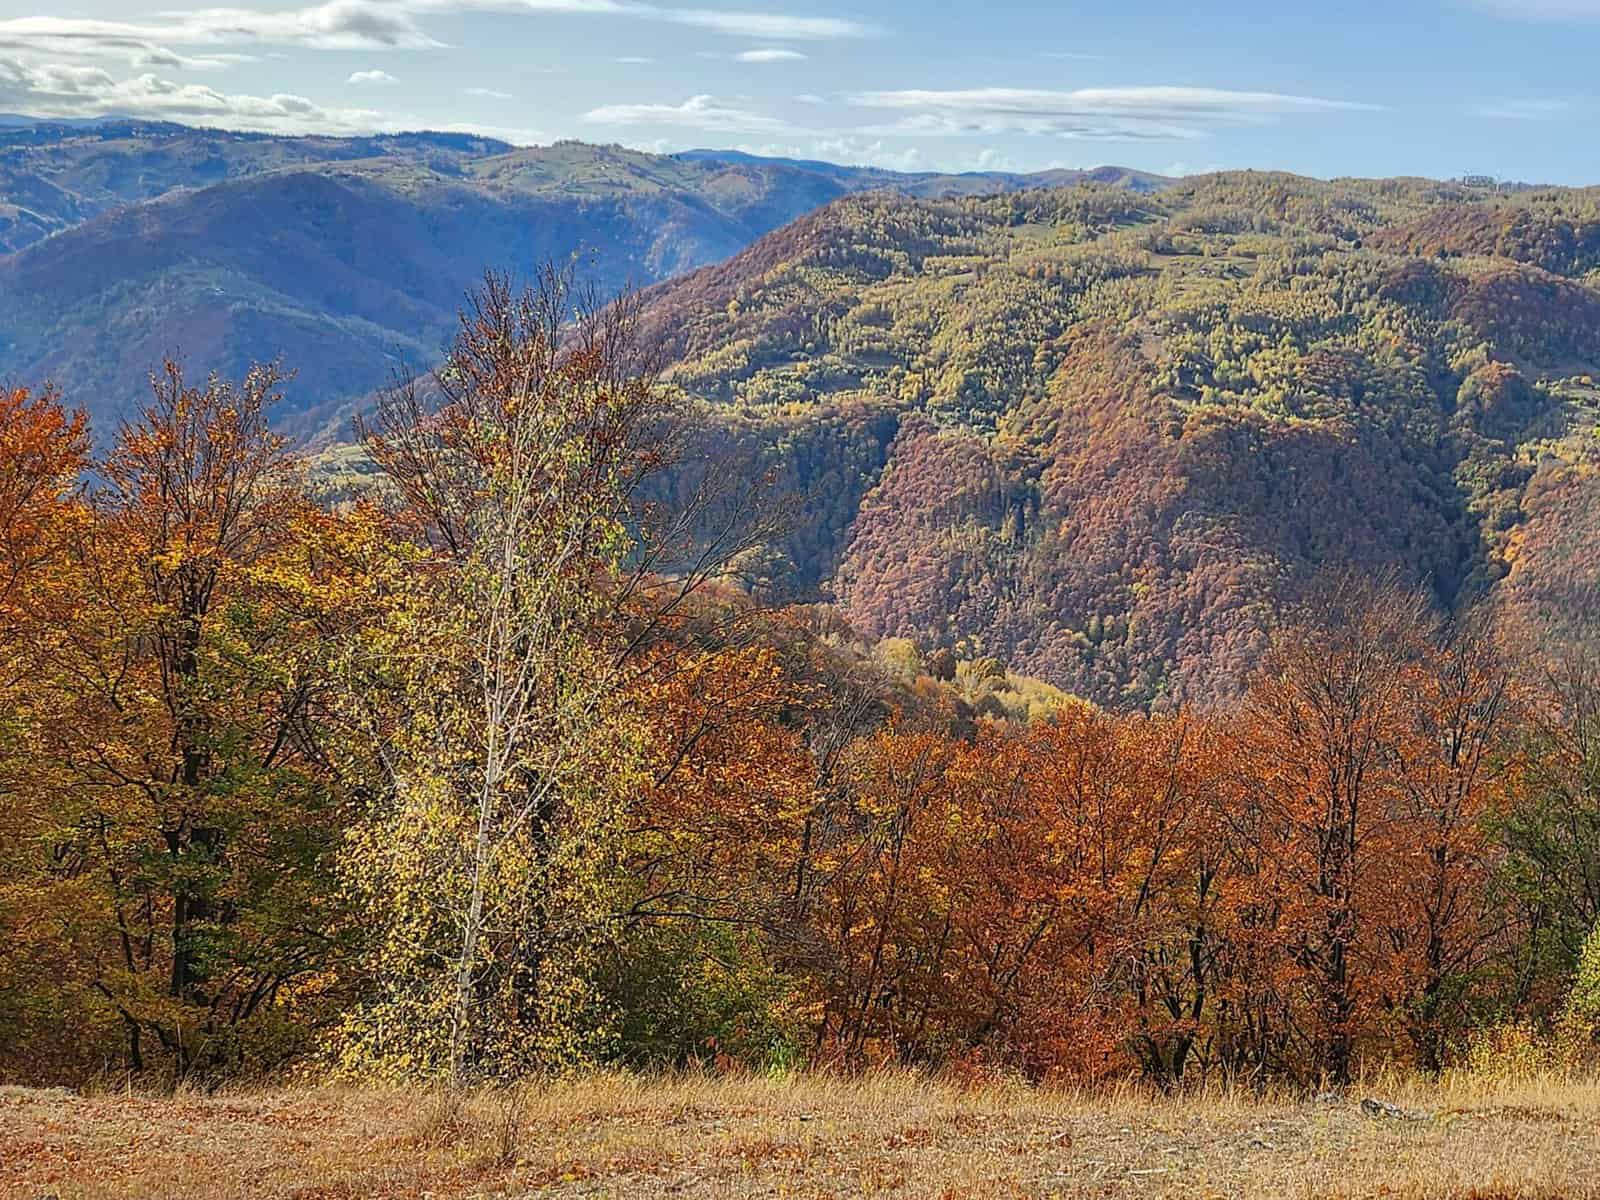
x: 1029, y: 897
x: 175, y: 689
x: 43, y: 449
x: 1362, y: 776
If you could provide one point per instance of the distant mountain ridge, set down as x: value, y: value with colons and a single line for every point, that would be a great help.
x: 57, y: 174
x: 941, y: 184
x: 122, y: 241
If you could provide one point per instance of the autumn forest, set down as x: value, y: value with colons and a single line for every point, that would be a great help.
x: 510, y: 762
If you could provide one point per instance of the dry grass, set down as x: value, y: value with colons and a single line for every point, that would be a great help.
x: 894, y: 1135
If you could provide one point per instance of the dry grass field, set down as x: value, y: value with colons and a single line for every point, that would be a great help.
x: 891, y: 1135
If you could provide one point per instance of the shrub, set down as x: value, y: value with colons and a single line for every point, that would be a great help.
x: 1580, y: 1017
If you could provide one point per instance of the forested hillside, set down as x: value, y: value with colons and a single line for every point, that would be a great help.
x: 1106, y: 435
x: 1210, y: 692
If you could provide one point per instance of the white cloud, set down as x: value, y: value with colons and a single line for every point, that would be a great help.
x: 1114, y: 114
x: 860, y: 152
x: 363, y: 25
x: 139, y: 53
x: 58, y: 66
x: 849, y: 150
x: 769, y: 56
x: 990, y: 159
x: 810, y: 98
x: 333, y: 25
x: 1522, y: 110
x: 84, y: 91
x: 701, y: 113
x: 44, y: 54
x: 489, y: 93
x: 733, y: 22
x: 762, y: 25
x: 633, y: 60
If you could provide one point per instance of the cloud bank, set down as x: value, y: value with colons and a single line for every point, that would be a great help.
x: 1112, y: 114
x: 703, y: 113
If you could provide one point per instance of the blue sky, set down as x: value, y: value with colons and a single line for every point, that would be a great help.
x: 1423, y: 87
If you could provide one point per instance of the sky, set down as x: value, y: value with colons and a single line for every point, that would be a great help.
x: 1438, y: 88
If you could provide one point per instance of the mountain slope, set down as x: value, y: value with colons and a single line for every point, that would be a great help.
x: 1107, y: 436
x: 345, y: 274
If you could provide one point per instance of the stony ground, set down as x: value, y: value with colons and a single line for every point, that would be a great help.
x: 811, y: 1137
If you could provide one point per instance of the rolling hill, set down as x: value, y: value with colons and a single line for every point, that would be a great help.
x: 347, y: 257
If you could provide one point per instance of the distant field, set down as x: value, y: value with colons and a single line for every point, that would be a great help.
x: 810, y: 1137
